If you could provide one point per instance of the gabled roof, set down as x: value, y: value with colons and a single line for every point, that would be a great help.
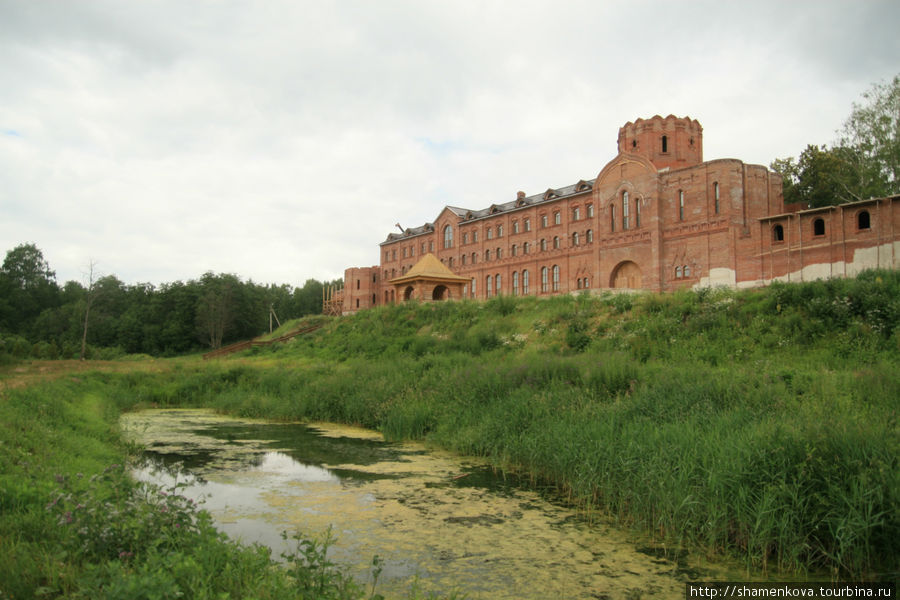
x: 429, y: 267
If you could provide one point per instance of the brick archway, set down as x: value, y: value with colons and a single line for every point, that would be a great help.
x: 440, y: 292
x: 626, y: 275
x: 408, y: 293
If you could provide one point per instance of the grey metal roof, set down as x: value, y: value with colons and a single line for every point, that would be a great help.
x: 465, y: 214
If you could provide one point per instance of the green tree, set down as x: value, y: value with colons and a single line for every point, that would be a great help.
x: 863, y: 163
x: 28, y: 287
x: 873, y: 131
x: 216, y: 307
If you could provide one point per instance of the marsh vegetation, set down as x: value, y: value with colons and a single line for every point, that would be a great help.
x: 760, y: 425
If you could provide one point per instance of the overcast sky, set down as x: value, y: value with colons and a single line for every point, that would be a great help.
x: 281, y: 140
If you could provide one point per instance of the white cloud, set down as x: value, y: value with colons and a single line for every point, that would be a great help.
x: 282, y: 140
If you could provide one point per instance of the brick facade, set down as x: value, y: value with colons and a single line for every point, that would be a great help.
x: 657, y: 217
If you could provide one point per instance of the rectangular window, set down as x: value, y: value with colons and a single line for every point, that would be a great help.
x: 681, y: 205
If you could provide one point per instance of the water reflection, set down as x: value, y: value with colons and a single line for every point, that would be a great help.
x: 452, y: 523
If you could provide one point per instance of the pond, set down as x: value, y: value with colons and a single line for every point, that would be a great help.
x: 440, y: 523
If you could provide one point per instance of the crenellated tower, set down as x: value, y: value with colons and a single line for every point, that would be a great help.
x: 667, y: 142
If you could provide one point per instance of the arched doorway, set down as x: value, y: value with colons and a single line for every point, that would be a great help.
x: 408, y: 293
x: 441, y: 292
x: 626, y: 275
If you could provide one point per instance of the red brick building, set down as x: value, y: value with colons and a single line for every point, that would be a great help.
x: 656, y: 217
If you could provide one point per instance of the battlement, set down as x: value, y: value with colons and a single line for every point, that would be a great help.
x: 666, y: 142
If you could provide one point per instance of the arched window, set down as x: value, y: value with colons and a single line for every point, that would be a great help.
x: 499, y: 231
x: 487, y: 287
x: 678, y: 272
x: 543, y: 220
x: 545, y: 281
x: 576, y: 213
x: 665, y: 143
x: 515, y: 283
x: 862, y: 220
x: 681, y: 205
x: 474, y: 286
x: 497, y: 285
x: 474, y: 258
x: 625, y: 211
x: 819, y: 227
x: 525, y: 282
x: 778, y: 233
x: 515, y: 227
x: 555, y: 278
x: 587, y: 283
x: 525, y: 248
x: 578, y: 283
x: 556, y: 218
x: 590, y: 235
x: 448, y: 236
x: 515, y: 250
x: 487, y: 255
x: 499, y: 253
x: 490, y: 233
x: 687, y: 271
x: 590, y: 211
x: 556, y: 242
x: 527, y: 224
x: 637, y: 212
x: 716, y: 196
x: 463, y: 257
x: 450, y: 262
x: 465, y: 238
x: 394, y: 254
x: 543, y: 245
x: 575, y: 239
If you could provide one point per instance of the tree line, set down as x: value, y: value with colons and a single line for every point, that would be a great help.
x: 864, y: 161
x: 106, y: 317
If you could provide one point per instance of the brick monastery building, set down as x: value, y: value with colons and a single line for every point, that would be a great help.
x: 657, y: 217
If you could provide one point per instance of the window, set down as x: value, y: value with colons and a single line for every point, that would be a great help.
x: 687, y: 271
x: 524, y: 282
x: 555, y: 278
x: 543, y: 220
x: 527, y: 224
x: 576, y: 214
x: 412, y: 250
x: 778, y: 233
x: 487, y: 287
x: 575, y: 239
x: 490, y: 233
x: 525, y: 248
x: 515, y: 283
x: 544, y: 280
x: 423, y: 247
x: 404, y: 252
x: 450, y: 262
x: 487, y: 255
x: 862, y: 220
x: 448, y: 236
x: 357, y: 284
x: 590, y: 235
x: 466, y: 238
x: 474, y: 258
x: 556, y: 242
x: 678, y: 272
x: 499, y: 253
x: 612, y: 217
x: 681, y: 205
x: 587, y: 283
x: 625, y: 211
x: 497, y: 285
x: 665, y: 144
x: 557, y: 219
x: 474, y: 287
x: 514, y: 250
x: 431, y: 246
x: 637, y: 212
x: 463, y: 258
x: 475, y: 236
x: 578, y: 283
x: 819, y: 227
x: 590, y: 211
x: 499, y: 231
x: 716, y: 196
x: 515, y: 227
x: 543, y: 245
